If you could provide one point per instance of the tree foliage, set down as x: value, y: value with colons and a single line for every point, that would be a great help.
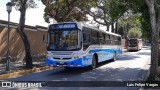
x: 145, y: 23
x: 66, y: 10
x: 101, y: 14
x: 130, y: 26
x: 122, y: 8
x: 150, y: 20
x: 135, y: 32
x: 70, y: 10
x: 29, y: 4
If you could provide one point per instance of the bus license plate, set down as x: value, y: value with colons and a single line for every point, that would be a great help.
x: 61, y: 62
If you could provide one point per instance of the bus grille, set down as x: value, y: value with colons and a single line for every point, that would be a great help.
x: 62, y: 58
x: 62, y: 53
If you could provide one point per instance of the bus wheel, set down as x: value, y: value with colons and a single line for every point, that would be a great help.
x: 94, y: 62
x: 138, y: 49
x: 114, y: 57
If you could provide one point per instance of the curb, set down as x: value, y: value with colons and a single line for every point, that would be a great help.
x: 145, y: 78
x: 147, y: 74
x: 23, y: 72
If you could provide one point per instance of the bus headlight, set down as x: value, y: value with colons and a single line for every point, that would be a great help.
x: 48, y: 57
x: 76, y: 57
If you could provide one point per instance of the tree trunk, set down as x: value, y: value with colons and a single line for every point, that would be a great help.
x: 116, y: 28
x: 112, y: 27
x: 125, y: 36
x: 154, y: 39
x: 158, y: 27
x: 159, y: 57
x: 23, y: 36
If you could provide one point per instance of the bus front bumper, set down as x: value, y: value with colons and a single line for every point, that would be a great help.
x: 71, y: 63
x: 133, y: 48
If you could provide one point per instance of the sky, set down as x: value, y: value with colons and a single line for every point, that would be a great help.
x: 33, y: 16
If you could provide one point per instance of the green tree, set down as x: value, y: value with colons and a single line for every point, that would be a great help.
x: 145, y: 22
x: 100, y: 13
x: 135, y: 32
x: 132, y: 22
x: 66, y: 10
x: 154, y: 12
x: 22, y: 5
x: 151, y: 8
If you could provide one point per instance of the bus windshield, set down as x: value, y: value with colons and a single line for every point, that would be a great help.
x: 133, y: 41
x: 63, y: 40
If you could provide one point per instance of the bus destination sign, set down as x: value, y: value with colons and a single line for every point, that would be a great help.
x: 63, y: 26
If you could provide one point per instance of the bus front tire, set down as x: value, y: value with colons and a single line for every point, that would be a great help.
x: 94, y: 62
x: 67, y: 68
x: 114, y: 57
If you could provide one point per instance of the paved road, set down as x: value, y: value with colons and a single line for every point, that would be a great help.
x: 130, y: 66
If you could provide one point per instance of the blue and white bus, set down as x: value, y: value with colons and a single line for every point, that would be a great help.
x: 73, y: 44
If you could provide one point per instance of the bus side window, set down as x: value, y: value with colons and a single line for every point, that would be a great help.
x: 84, y: 37
x: 97, y: 38
x: 111, y: 39
x: 86, y: 40
x: 88, y: 37
x: 93, y: 41
x: 104, y: 38
x: 119, y: 38
x: 101, y: 38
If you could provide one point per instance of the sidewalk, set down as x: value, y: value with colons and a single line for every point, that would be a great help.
x: 18, y: 68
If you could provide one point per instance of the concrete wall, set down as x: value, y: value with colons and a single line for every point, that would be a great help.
x: 35, y: 36
x: 123, y: 43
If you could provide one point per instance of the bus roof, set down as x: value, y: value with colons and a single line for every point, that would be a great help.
x: 93, y: 28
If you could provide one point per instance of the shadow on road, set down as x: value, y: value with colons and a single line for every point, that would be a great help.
x: 127, y: 57
x: 99, y: 74
x: 134, y: 54
x: 144, y: 53
x: 106, y: 74
x: 77, y: 71
x: 85, y: 74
